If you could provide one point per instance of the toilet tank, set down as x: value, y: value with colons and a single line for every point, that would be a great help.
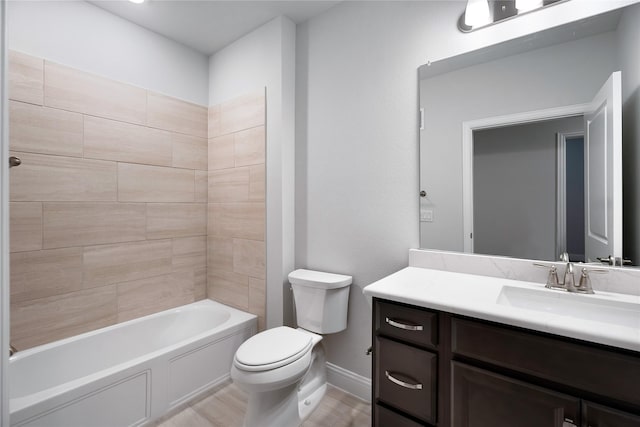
x: 321, y: 300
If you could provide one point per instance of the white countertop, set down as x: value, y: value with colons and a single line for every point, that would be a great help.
x: 482, y: 297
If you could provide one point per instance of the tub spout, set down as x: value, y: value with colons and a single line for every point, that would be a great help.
x: 12, y: 350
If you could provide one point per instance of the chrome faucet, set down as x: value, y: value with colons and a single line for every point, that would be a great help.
x: 569, y: 281
x: 12, y: 350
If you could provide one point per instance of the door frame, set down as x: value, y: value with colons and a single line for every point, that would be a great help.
x: 493, y: 122
x: 561, y: 189
x: 4, y: 221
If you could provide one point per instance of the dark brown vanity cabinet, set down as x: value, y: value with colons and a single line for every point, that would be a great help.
x: 436, y: 369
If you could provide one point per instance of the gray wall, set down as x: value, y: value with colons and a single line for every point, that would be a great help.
x: 628, y: 36
x: 535, y: 80
x: 514, y: 184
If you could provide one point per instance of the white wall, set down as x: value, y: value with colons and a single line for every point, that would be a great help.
x: 83, y: 36
x: 265, y: 58
x: 629, y: 35
x: 356, y: 137
x: 535, y: 80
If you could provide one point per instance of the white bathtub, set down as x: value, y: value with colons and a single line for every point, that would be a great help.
x: 130, y: 373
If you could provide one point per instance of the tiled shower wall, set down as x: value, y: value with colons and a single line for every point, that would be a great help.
x: 236, y: 213
x: 108, y: 210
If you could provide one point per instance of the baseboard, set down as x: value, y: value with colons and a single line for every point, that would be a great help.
x: 349, y: 381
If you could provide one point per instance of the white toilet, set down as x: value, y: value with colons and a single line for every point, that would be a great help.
x: 283, y: 369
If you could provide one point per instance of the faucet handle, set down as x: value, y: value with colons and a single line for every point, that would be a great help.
x: 552, y: 278
x: 584, y: 286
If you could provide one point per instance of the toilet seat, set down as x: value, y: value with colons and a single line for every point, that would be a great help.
x: 273, y: 349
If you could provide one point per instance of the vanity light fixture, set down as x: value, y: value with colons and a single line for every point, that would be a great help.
x: 137, y: 1
x: 527, y: 5
x: 477, y: 13
x: 482, y: 13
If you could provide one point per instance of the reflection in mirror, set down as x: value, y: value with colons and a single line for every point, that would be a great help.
x: 559, y: 68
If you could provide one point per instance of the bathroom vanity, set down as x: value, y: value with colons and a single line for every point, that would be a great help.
x: 453, y: 349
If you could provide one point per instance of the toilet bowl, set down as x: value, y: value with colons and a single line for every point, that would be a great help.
x: 284, y: 369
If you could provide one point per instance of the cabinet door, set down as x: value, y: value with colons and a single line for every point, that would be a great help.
x: 484, y: 399
x: 602, y: 416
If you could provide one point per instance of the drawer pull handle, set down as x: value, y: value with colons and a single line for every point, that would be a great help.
x: 402, y: 383
x: 404, y: 326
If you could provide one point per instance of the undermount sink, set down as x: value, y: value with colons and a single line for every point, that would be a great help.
x: 576, y: 306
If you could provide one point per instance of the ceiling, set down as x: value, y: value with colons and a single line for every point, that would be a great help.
x: 209, y: 25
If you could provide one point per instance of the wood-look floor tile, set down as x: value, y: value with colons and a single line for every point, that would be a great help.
x: 228, y: 288
x: 214, y: 121
x: 229, y: 185
x: 240, y: 220
x: 189, y: 253
x: 220, y: 253
x: 257, y: 182
x: 258, y: 301
x: 26, y: 78
x: 43, y: 130
x: 201, y: 186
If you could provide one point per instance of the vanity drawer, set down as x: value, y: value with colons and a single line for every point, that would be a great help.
x: 594, y: 369
x: 415, y: 325
x: 387, y: 418
x: 406, y: 378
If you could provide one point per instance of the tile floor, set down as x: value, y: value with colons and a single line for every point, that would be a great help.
x: 225, y: 405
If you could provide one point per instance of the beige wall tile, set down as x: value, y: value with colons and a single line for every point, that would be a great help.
x: 37, y: 129
x: 42, y: 274
x: 201, y: 186
x: 78, y: 224
x: 176, y: 220
x: 258, y: 300
x: 190, y: 152
x: 25, y: 226
x: 48, y: 319
x: 42, y: 177
x: 243, y: 112
x: 165, y: 112
x: 26, y: 78
x: 200, y: 284
x: 74, y: 90
x: 249, y: 146
x: 221, y: 152
x: 257, y: 182
x: 240, y: 220
x: 220, y: 253
x: 190, y: 253
x: 125, y: 142
x: 123, y: 262
x: 229, y: 185
x: 142, y: 183
x: 214, y: 121
x: 228, y: 288
x: 146, y: 296
x: 249, y: 258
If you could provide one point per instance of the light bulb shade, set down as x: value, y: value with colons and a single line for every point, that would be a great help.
x: 477, y: 13
x: 527, y: 5
x: 137, y: 1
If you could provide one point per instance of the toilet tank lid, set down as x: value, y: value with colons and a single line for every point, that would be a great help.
x: 319, y: 279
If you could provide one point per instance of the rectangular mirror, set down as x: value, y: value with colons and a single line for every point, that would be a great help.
x: 499, y: 154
